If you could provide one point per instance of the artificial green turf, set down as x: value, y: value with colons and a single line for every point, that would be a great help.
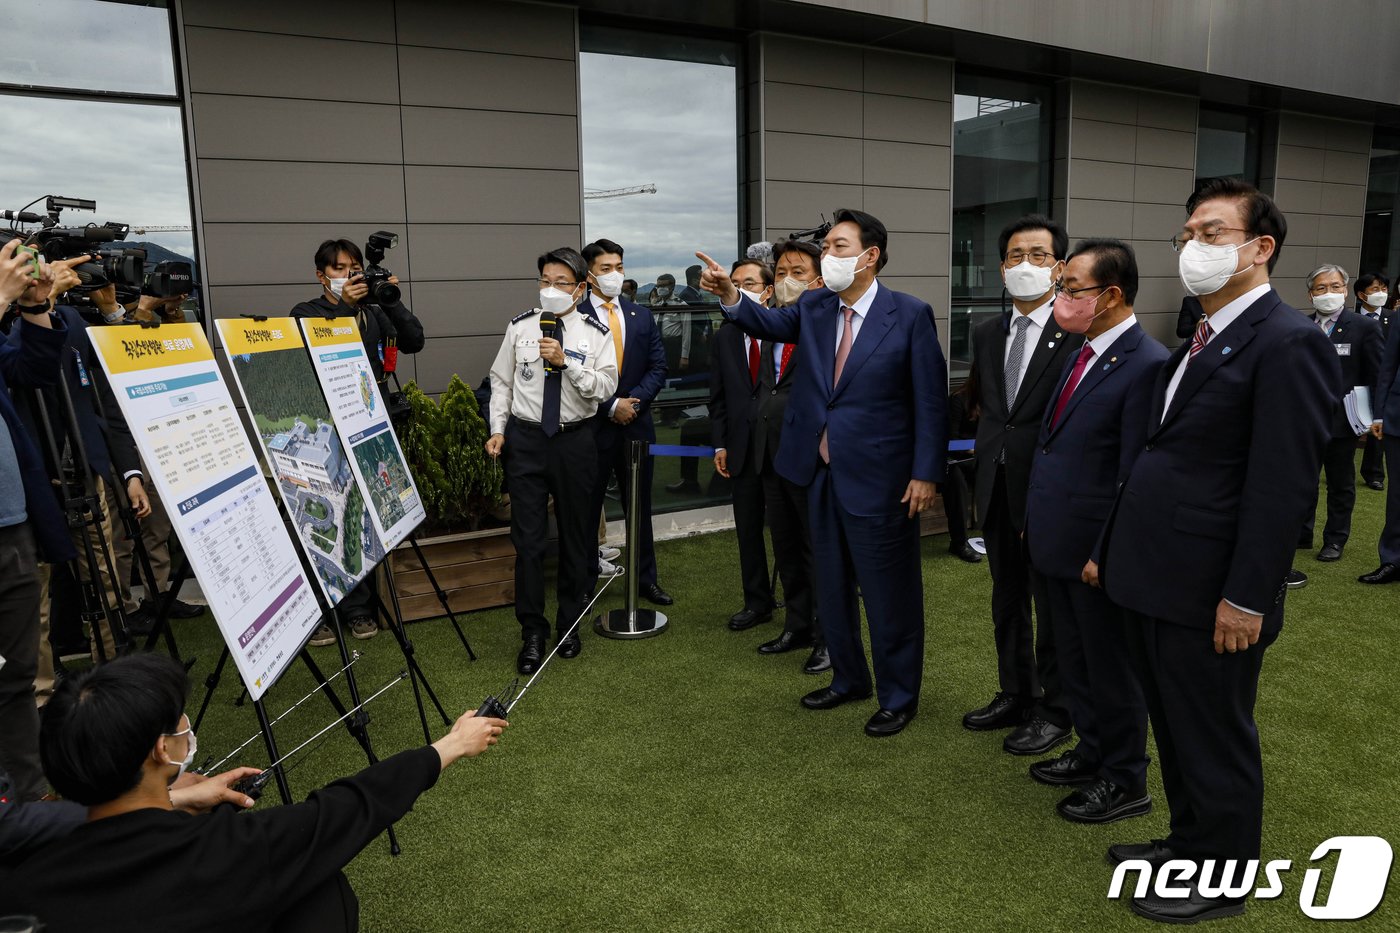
x: 675, y: 783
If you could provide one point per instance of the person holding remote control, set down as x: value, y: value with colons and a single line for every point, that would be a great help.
x: 116, y: 738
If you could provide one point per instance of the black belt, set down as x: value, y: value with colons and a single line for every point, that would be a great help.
x: 563, y: 425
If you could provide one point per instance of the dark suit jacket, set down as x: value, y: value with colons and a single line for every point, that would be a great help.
x: 886, y: 420
x: 1385, y: 400
x: 1357, y: 339
x: 1215, y: 501
x: 1011, y: 429
x: 29, y: 358
x: 642, y: 375
x: 746, y: 419
x: 106, y: 438
x: 1079, y: 463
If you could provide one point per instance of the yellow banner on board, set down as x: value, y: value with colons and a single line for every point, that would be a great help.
x: 326, y: 332
x: 241, y: 335
x: 128, y: 348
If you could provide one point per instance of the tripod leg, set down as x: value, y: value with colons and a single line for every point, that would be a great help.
x: 441, y: 594
x: 210, y: 683
x: 165, y: 601
x: 278, y: 772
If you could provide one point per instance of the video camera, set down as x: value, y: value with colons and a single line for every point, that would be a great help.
x: 815, y: 234
x: 168, y: 279
x: 112, y: 265
x: 381, y: 290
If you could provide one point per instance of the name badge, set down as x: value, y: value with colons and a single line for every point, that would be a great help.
x: 1344, y: 349
x: 575, y: 355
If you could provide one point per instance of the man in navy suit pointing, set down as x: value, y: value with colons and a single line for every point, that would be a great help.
x: 866, y: 432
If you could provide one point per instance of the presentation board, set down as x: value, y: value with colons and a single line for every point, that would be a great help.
x: 357, y: 408
x: 197, y: 455
x: 302, y: 449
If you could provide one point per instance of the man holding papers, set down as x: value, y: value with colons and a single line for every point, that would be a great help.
x: 1357, y: 340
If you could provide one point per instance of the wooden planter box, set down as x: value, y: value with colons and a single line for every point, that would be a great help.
x: 475, y: 568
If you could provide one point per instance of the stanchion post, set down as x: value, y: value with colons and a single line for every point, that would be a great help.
x: 632, y: 622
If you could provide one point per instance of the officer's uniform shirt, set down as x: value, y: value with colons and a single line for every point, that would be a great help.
x: 518, y: 377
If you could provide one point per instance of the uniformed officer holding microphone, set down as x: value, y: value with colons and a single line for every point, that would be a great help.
x: 553, y: 369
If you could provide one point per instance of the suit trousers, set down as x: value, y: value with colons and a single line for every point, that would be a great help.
x: 746, y: 487
x: 785, y: 503
x: 20, y: 589
x: 155, y: 535
x: 1104, y: 697
x: 1390, y: 532
x: 1372, y: 461
x: 956, y: 491
x: 611, y: 456
x: 1026, y: 664
x: 562, y: 466
x: 1201, y: 705
x: 880, y: 555
x: 1339, y: 467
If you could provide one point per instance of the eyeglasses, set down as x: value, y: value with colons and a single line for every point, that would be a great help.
x: 750, y: 283
x: 560, y: 284
x: 1335, y: 288
x: 1061, y: 289
x: 1037, y: 257
x: 1207, y: 236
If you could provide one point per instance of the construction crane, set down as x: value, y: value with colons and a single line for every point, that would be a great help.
x: 604, y: 194
x: 142, y: 231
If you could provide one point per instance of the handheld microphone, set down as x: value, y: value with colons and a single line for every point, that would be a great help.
x: 548, y: 322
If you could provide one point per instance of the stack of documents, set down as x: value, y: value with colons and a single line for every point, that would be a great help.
x: 1358, y: 408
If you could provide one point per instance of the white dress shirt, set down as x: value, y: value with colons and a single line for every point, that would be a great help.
x: 860, y: 306
x: 1218, y: 322
x: 1102, y: 342
x: 1038, y: 318
x: 518, y: 378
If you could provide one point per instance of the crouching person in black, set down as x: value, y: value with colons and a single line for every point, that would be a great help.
x: 115, y: 739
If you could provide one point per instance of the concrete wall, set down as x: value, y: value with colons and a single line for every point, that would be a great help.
x: 454, y: 124
x: 1317, y: 171
x: 844, y: 126
x: 1131, y: 166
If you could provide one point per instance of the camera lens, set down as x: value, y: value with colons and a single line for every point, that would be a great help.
x: 387, y: 293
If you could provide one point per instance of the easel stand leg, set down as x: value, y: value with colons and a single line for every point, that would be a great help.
x: 441, y: 594
x: 278, y: 773
x: 415, y: 672
x: 210, y: 683
x: 164, y: 602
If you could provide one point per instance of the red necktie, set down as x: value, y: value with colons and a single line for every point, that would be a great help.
x: 787, y: 356
x: 1202, y: 337
x: 753, y: 361
x: 1075, y: 374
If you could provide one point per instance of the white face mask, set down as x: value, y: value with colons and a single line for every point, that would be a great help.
x: 556, y: 301
x: 788, y: 290
x: 1205, y: 269
x: 840, y: 271
x: 1027, y: 281
x: 756, y: 296
x: 190, y: 751
x: 1329, y: 303
x: 1377, y: 299
x: 336, y: 285
x: 609, y: 283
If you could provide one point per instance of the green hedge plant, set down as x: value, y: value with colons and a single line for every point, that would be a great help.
x: 444, y: 441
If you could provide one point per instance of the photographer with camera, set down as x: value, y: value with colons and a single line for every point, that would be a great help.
x: 114, y: 740
x: 371, y: 295
x: 31, y: 524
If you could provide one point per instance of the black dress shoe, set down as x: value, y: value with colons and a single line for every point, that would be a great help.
x: 1068, y: 770
x: 570, y: 645
x: 179, y: 609
x: 788, y: 641
x: 818, y: 662
x: 1102, y: 801
x: 140, y: 622
x: 528, y: 660
x: 1329, y: 553
x: 826, y: 698
x: 1385, y: 573
x: 1295, y: 580
x: 690, y: 487
x: 1005, y: 710
x: 1376, y: 484
x: 1191, y: 909
x: 655, y: 594
x: 966, y: 552
x: 745, y: 619
x: 1155, y: 852
x: 888, y: 722
x: 1035, y: 737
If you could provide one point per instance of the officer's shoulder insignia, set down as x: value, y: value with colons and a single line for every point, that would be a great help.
x: 596, y: 323
x: 524, y: 314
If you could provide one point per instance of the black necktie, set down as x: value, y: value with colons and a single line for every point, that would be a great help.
x: 549, y: 415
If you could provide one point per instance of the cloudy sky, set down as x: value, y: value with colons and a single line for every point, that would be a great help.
x: 671, y: 124
x: 129, y: 158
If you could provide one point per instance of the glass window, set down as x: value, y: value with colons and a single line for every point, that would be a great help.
x: 88, y: 44
x: 1227, y: 145
x: 661, y: 176
x: 1380, y: 234
x: 1002, y: 133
